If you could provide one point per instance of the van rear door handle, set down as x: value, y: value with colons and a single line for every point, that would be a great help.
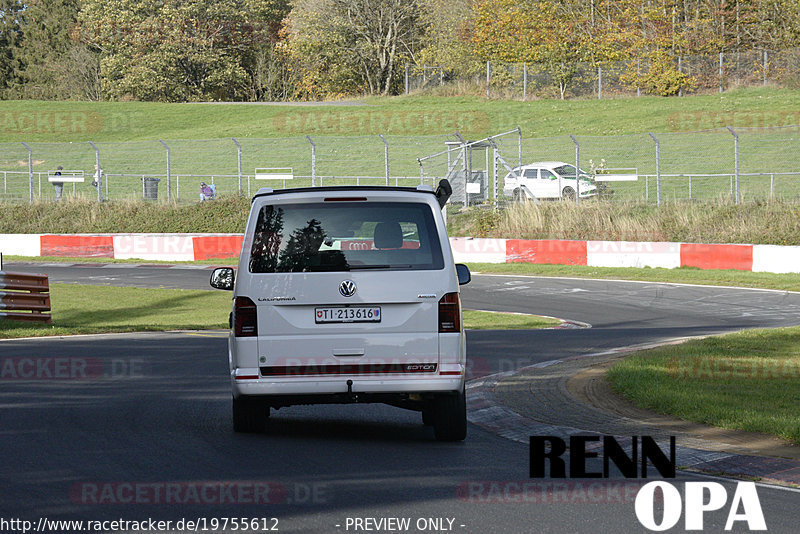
x: 348, y: 352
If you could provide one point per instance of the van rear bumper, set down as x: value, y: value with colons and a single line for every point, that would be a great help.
x: 333, y: 386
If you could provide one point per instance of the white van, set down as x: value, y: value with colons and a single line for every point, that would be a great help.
x: 345, y: 295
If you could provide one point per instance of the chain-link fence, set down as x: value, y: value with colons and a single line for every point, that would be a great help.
x: 714, y: 164
x: 705, y: 73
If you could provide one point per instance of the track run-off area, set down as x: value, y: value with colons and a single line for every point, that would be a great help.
x: 143, y: 429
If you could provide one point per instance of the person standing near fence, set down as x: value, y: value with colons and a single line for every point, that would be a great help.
x: 96, y: 180
x: 59, y: 186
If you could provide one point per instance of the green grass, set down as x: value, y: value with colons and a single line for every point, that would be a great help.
x: 682, y: 275
x: 485, y: 320
x: 746, y: 381
x: 88, y: 309
x: 413, y: 115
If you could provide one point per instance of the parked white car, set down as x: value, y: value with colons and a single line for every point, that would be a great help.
x: 547, y: 180
x: 345, y: 295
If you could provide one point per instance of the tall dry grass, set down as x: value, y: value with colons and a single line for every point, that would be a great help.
x: 709, y: 222
x: 76, y: 215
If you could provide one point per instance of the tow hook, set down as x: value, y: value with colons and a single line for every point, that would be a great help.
x: 351, y: 397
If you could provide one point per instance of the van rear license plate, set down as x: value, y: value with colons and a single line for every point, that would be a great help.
x: 352, y: 314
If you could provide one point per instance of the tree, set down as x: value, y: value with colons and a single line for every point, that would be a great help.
x: 446, y: 36
x: 266, y: 62
x: 360, y: 40
x: 531, y: 31
x: 174, y: 51
x: 50, y: 63
x: 9, y: 38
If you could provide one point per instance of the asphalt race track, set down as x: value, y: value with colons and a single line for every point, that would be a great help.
x: 140, y: 426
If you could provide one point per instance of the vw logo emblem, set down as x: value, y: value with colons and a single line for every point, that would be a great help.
x: 347, y: 288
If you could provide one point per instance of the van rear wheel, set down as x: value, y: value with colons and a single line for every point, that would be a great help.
x: 249, y: 415
x: 450, y: 417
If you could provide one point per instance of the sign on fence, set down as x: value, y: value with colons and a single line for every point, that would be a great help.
x: 279, y: 173
x: 65, y: 176
x: 617, y: 175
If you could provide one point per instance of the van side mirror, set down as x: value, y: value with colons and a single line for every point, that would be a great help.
x: 222, y: 278
x: 463, y: 274
x: 443, y: 192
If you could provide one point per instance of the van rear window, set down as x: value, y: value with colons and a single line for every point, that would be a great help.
x: 309, y: 237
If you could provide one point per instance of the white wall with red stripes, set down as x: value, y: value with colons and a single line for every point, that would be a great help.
x: 192, y: 247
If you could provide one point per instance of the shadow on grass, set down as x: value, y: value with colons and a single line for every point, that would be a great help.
x: 171, y: 312
x: 159, y: 309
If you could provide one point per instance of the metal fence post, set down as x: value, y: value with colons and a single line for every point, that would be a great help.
x: 169, y: 173
x: 577, y: 167
x: 405, y: 79
x: 599, y: 82
x: 720, y: 71
x: 765, y: 68
x: 385, y: 156
x: 30, y: 171
x: 524, y: 81
x: 488, y: 77
x: 494, y: 177
x: 680, y: 69
x: 313, y: 162
x: 239, y: 158
x: 467, y: 170
x: 519, y: 144
x: 735, y: 160
x: 638, y: 74
x: 99, y: 173
x: 658, y: 169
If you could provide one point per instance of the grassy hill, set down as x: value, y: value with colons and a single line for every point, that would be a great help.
x: 33, y: 121
x: 347, y: 144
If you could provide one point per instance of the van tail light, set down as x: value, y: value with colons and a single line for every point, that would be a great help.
x: 450, y: 313
x: 245, y: 317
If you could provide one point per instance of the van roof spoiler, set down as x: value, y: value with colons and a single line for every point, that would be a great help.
x: 443, y: 192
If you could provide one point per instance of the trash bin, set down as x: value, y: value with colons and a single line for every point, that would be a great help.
x: 150, y: 188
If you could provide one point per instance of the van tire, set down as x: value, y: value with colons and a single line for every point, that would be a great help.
x: 249, y: 415
x: 568, y: 193
x: 450, y: 417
